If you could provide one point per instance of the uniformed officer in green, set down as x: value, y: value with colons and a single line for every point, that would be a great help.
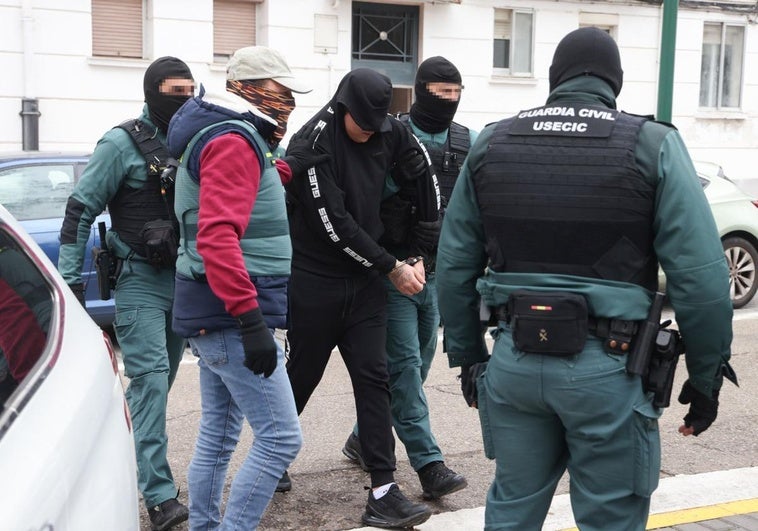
x: 118, y: 176
x: 559, y: 220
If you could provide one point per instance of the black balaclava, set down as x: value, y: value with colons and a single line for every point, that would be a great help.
x: 366, y: 94
x: 430, y: 113
x: 162, y: 107
x: 587, y: 52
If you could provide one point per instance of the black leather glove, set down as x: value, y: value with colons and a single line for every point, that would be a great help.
x: 78, y: 290
x: 409, y: 167
x: 301, y: 154
x: 260, y: 349
x: 469, y: 375
x: 703, y: 410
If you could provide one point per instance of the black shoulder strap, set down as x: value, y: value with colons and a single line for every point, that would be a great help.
x: 459, y: 139
x: 153, y: 150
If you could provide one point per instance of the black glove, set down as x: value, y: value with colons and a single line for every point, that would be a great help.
x: 469, y: 375
x: 409, y: 167
x: 301, y: 154
x: 703, y: 410
x: 78, y: 290
x: 260, y: 349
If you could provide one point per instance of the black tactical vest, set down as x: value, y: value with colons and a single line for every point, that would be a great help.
x: 560, y: 193
x: 131, y: 208
x: 447, y: 160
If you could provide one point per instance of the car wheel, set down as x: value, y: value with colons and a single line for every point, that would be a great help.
x: 741, y: 258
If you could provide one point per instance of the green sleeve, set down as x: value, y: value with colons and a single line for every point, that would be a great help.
x: 461, y: 260
x: 691, y: 255
x: 98, y: 184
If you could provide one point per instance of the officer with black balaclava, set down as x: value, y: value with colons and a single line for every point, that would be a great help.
x: 413, y: 320
x: 559, y: 220
x: 127, y: 174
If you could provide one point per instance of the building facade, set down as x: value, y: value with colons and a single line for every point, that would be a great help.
x: 73, y: 68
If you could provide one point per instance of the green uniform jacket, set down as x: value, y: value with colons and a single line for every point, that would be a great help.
x: 686, y: 243
x: 116, y: 161
x: 390, y: 187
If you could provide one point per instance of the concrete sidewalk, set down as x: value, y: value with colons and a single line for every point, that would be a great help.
x: 724, y: 500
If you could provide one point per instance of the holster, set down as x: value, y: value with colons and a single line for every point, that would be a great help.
x: 660, y: 375
x: 108, y: 268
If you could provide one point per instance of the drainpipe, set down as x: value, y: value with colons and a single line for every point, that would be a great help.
x: 30, y: 124
x: 668, y: 53
x: 29, y: 106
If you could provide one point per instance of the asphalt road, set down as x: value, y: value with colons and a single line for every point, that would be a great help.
x: 328, y: 490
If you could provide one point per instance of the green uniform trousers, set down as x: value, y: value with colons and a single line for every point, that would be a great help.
x: 541, y: 415
x: 412, y: 327
x: 151, y: 353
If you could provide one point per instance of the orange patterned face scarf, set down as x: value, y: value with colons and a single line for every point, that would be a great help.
x: 275, y: 105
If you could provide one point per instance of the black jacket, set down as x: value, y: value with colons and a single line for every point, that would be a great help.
x: 334, y: 212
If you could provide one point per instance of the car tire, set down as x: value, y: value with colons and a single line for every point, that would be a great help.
x: 742, y: 260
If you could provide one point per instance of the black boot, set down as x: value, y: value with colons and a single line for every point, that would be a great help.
x: 167, y: 514
x: 352, y: 451
x: 394, y: 510
x: 438, y: 480
x: 285, y: 483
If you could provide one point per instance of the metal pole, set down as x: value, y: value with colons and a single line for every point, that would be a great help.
x: 30, y: 124
x: 668, y: 53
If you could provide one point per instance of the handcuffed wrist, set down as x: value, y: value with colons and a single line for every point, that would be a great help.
x: 394, y: 270
x: 413, y: 260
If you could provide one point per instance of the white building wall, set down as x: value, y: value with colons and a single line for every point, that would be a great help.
x: 80, y: 97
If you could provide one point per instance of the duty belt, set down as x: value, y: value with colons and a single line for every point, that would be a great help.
x: 616, y: 333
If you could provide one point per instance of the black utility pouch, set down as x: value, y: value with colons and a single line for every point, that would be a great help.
x: 552, y: 323
x: 161, y: 243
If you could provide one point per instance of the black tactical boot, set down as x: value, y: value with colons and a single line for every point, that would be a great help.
x: 285, y: 483
x: 394, y: 510
x: 438, y: 480
x: 352, y: 451
x: 167, y: 514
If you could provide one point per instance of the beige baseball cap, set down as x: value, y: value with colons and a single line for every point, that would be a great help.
x: 261, y: 62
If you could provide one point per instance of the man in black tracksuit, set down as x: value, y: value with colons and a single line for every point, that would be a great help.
x: 337, y: 293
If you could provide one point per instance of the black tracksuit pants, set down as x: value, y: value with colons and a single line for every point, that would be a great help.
x: 348, y: 313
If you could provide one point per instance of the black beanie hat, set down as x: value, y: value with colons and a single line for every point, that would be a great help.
x: 587, y: 51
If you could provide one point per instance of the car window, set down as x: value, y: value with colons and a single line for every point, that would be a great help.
x: 38, y: 191
x: 26, y: 306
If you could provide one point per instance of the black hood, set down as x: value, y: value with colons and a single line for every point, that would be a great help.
x: 587, y: 52
x: 366, y: 95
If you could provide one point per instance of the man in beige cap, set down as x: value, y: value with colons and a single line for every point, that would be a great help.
x: 231, y: 282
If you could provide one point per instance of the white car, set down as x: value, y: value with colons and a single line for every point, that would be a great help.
x: 736, y: 216
x: 67, y: 459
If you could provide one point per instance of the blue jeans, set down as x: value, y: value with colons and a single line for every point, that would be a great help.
x: 230, y: 392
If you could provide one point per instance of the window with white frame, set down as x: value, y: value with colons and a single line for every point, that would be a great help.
x: 608, y: 22
x: 512, y: 43
x: 117, y: 27
x: 721, y: 65
x: 233, y: 27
